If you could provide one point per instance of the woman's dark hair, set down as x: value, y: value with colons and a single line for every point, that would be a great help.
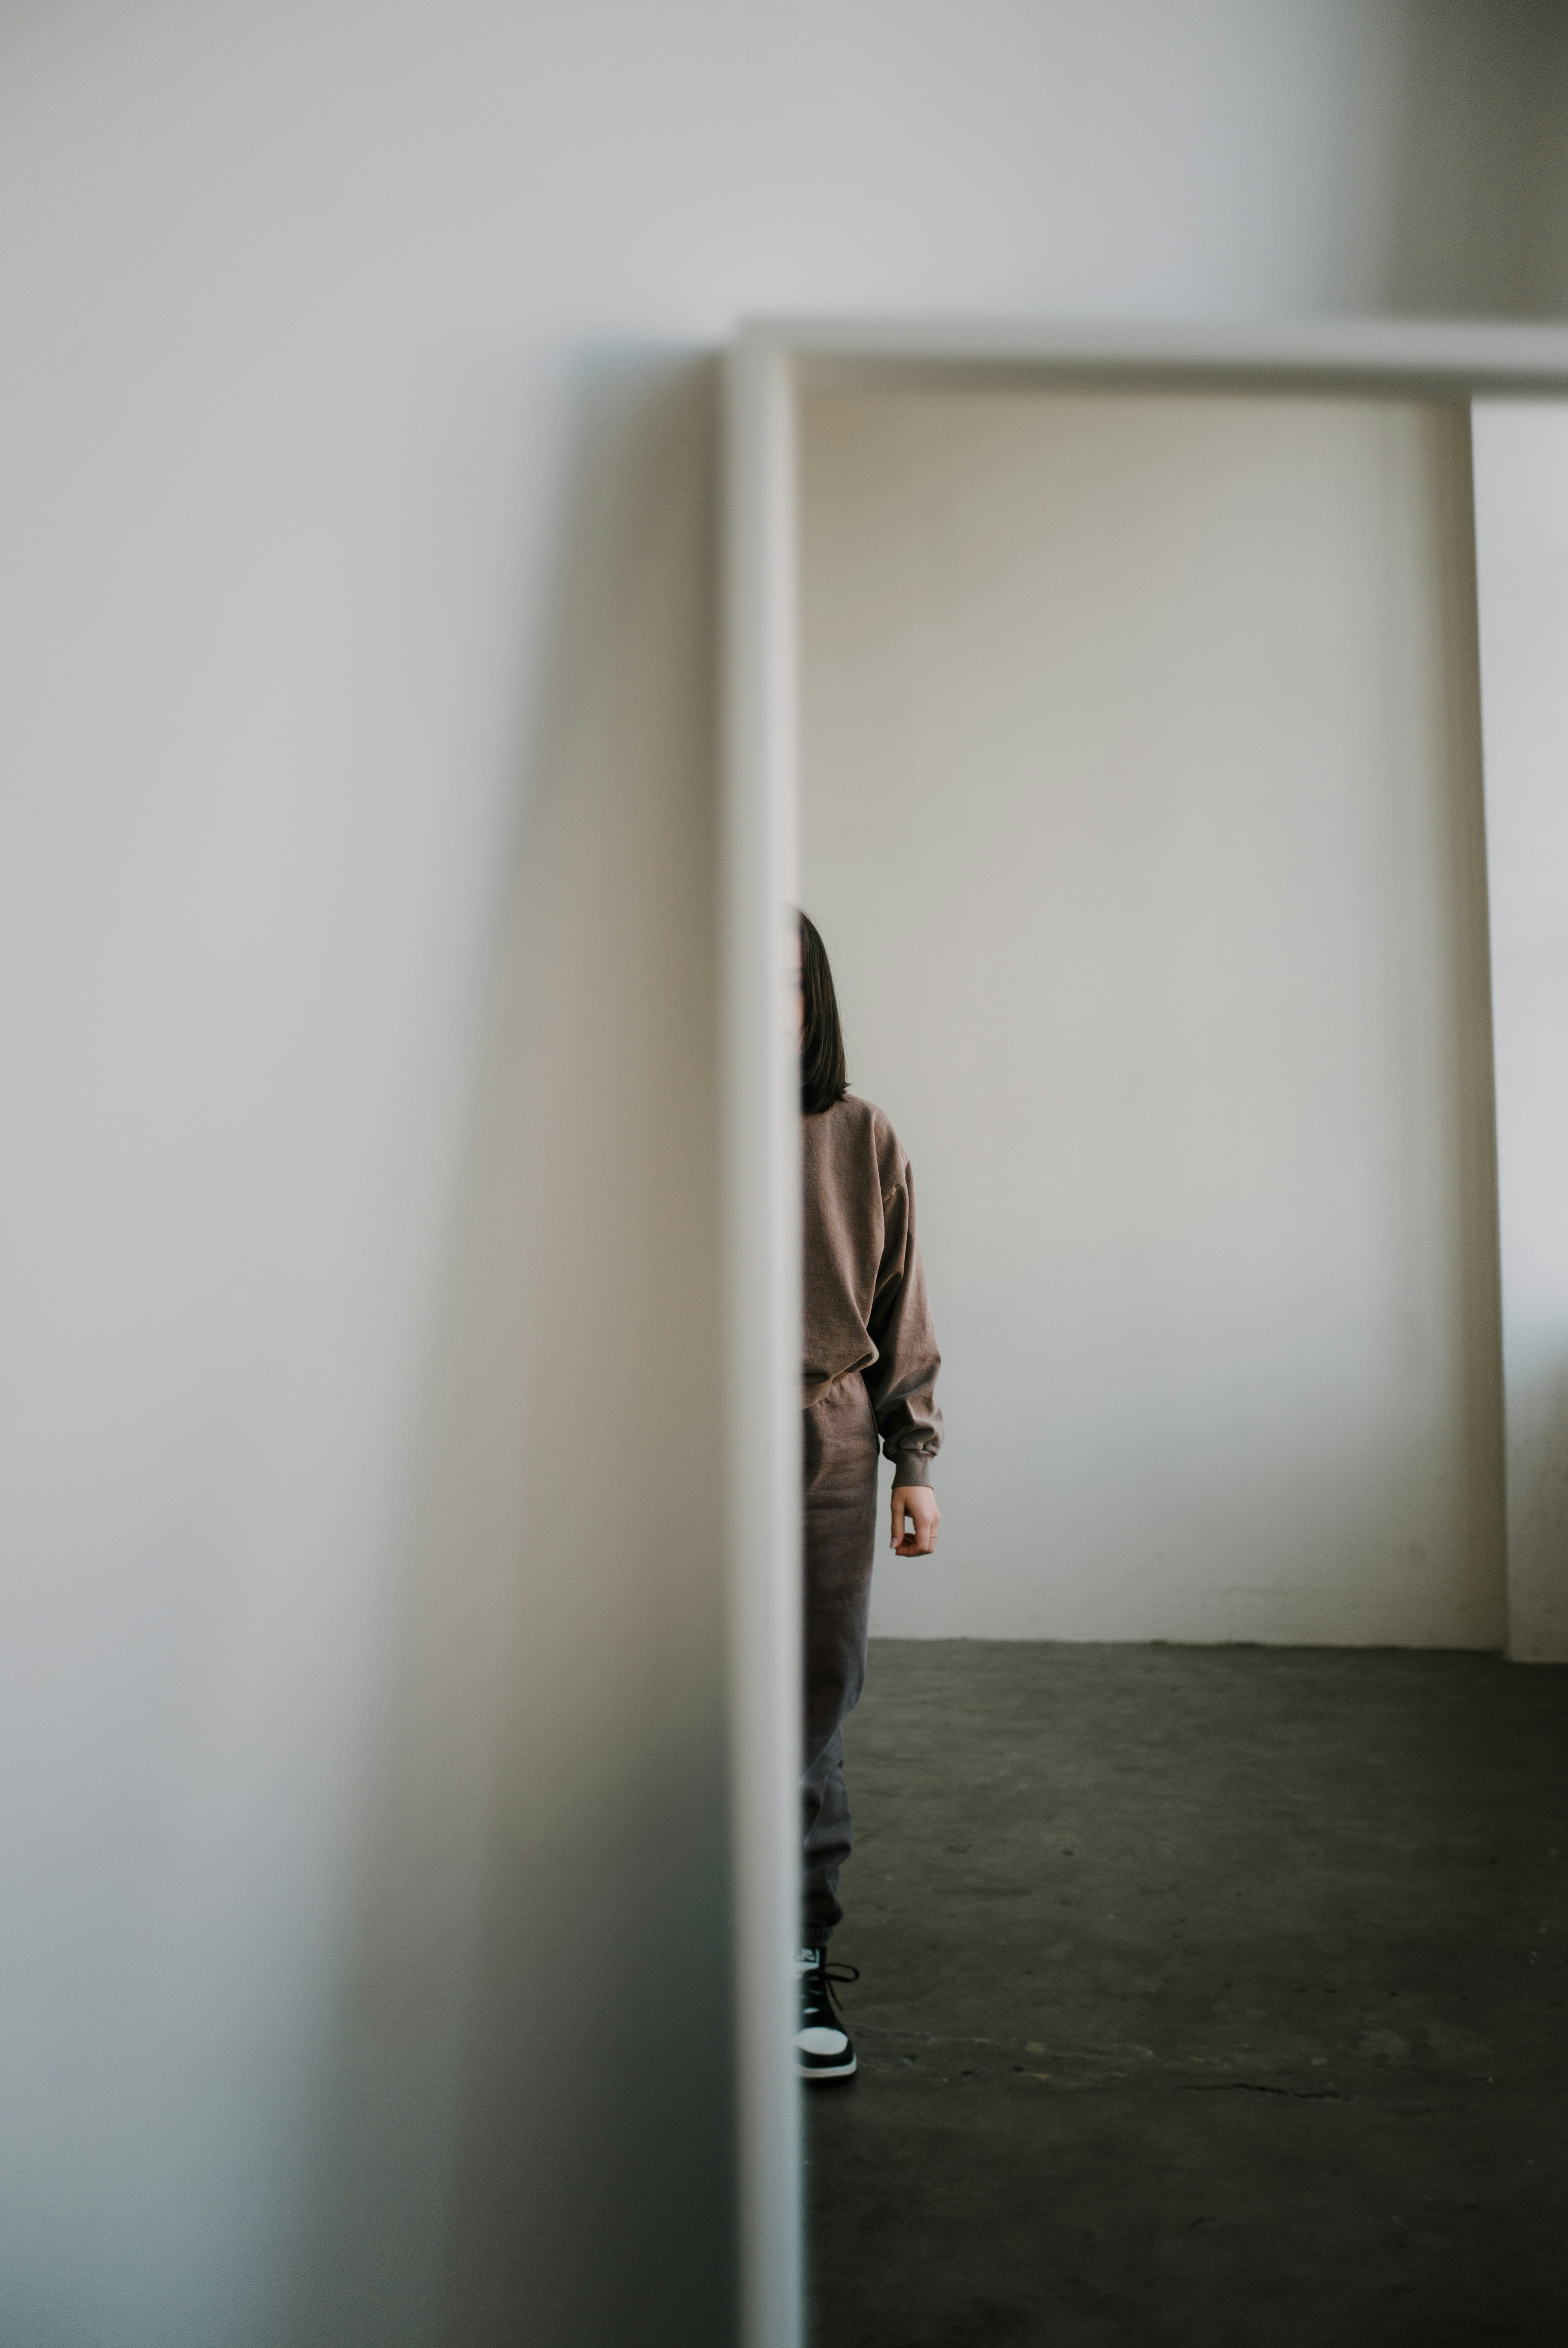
x: 823, y: 1079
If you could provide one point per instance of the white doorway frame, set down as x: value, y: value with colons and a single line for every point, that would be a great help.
x: 768, y: 363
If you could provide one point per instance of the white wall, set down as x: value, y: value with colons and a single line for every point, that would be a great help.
x: 356, y: 462
x: 1521, y: 559
x: 1142, y: 814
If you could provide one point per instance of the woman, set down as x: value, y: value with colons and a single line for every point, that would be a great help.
x: 869, y: 1369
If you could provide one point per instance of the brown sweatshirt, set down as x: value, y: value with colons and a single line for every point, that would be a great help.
x: 866, y: 1305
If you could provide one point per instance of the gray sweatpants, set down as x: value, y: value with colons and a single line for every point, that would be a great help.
x: 840, y: 1464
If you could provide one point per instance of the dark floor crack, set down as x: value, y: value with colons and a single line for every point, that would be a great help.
x: 1257, y: 2088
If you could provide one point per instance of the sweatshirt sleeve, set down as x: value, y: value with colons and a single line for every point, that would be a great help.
x: 902, y: 1380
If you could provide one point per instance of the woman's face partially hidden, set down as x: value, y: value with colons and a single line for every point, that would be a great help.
x: 798, y: 983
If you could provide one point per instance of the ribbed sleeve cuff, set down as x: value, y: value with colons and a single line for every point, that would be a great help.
x: 909, y: 1467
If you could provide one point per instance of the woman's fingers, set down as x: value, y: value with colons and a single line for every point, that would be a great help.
x: 916, y: 1502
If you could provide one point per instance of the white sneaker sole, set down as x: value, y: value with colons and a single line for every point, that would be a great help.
x: 816, y: 2071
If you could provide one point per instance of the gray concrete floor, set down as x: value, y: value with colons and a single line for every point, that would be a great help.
x: 1210, y: 1995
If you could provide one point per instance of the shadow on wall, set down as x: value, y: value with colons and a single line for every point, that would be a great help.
x: 525, y: 2143
x: 1480, y: 213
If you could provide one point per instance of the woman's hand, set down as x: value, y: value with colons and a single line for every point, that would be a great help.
x: 919, y: 1502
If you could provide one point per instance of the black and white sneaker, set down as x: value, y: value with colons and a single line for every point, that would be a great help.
x: 823, y: 2047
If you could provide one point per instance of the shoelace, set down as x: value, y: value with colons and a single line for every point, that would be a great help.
x: 821, y: 1985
